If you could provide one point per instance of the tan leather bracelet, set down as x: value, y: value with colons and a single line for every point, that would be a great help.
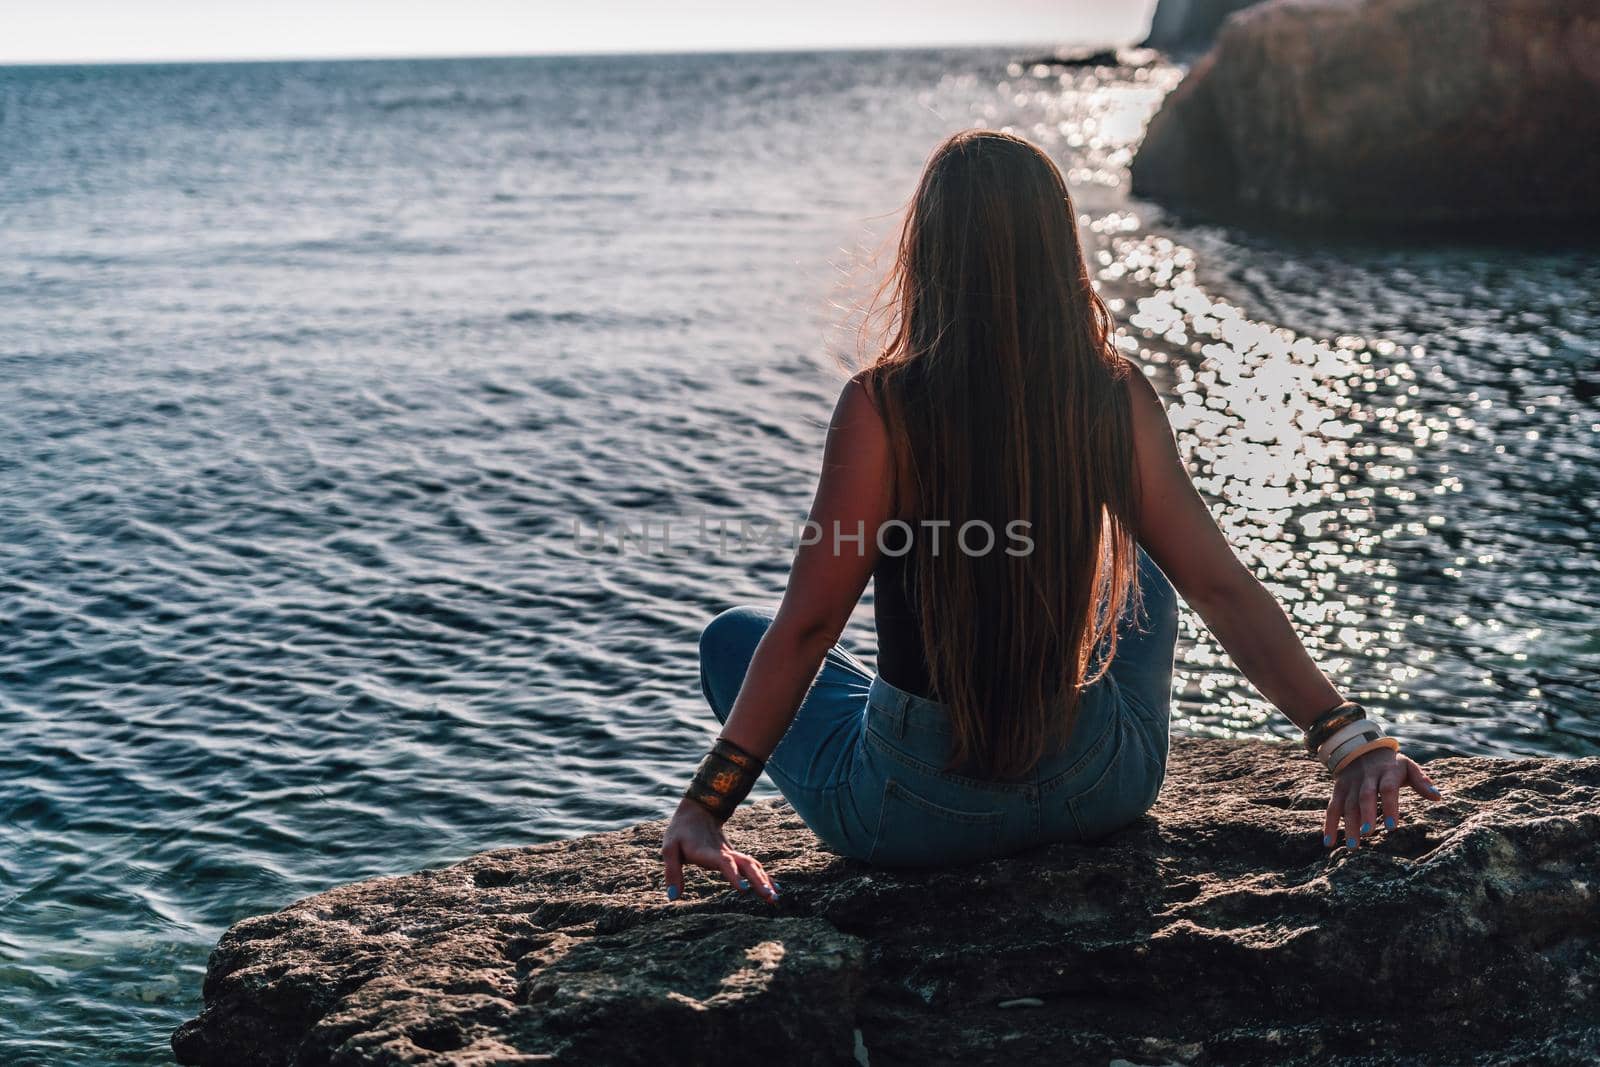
x: 1370, y: 746
x: 724, y: 778
x: 1339, y: 743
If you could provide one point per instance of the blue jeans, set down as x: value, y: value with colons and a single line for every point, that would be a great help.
x: 862, y: 762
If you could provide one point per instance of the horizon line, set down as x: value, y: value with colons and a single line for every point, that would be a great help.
x: 785, y: 49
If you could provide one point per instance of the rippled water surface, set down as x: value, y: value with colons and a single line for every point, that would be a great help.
x: 320, y: 383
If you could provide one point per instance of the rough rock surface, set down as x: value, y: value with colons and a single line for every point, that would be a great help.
x: 1217, y: 930
x: 1181, y: 25
x: 1387, y: 112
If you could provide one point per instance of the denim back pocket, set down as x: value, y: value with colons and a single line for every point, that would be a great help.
x: 1124, y: 791
x: 914, y: 831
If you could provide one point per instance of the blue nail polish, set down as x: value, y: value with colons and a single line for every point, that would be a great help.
x: 1366, y: 828
x: 777, y: 886
x: 744, y: 885
x: 1351, y: 843
x: 1327, y: 840
x: 672, y: 892
x: 1389, y: 822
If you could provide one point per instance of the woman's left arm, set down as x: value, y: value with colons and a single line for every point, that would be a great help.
x: 853, y: 500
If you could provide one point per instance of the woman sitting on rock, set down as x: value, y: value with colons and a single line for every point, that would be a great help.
x: 1011, y: 485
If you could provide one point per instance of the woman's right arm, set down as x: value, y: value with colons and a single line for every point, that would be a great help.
x: 1177, y: 530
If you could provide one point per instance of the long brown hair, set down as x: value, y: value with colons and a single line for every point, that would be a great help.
x: 1004, y: 401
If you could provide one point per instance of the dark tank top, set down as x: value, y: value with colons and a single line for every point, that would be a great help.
x: 902, y: 662
x: 901, y: 659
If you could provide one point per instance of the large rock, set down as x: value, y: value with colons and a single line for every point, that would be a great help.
x: 1388, y: 112
x: 1181, y: 25
x: 1218, y: 930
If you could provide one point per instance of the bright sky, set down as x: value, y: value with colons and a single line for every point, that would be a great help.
x: 67, y: 31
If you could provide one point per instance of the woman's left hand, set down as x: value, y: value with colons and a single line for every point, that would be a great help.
x: 694, y: 836
x: 1376, y: 776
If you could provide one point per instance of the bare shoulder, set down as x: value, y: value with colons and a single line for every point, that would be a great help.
x: 1151, y: 428
x: 862, y: 385
x: 1142, y: 395
x: 857, y: 412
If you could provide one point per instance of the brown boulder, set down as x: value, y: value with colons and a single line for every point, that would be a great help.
x: 1218, y: 930
x: 1178, y: 25
x: 1387, y: 113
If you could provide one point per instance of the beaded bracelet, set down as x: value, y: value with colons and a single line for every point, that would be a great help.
x: 724, y: 778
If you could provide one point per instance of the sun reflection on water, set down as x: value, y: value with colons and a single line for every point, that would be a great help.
x: 1272, y: 425
x: 1292, y: 439
x: 1095, y: 116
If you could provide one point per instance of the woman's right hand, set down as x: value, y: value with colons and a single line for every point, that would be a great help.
x: 1359, y: 787
x: 694, y: 836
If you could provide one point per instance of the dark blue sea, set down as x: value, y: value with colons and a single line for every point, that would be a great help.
x: 370, y: 434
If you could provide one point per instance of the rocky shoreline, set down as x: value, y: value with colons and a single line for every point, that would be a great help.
x: 1217, y: 930
x: 1386, y: 114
